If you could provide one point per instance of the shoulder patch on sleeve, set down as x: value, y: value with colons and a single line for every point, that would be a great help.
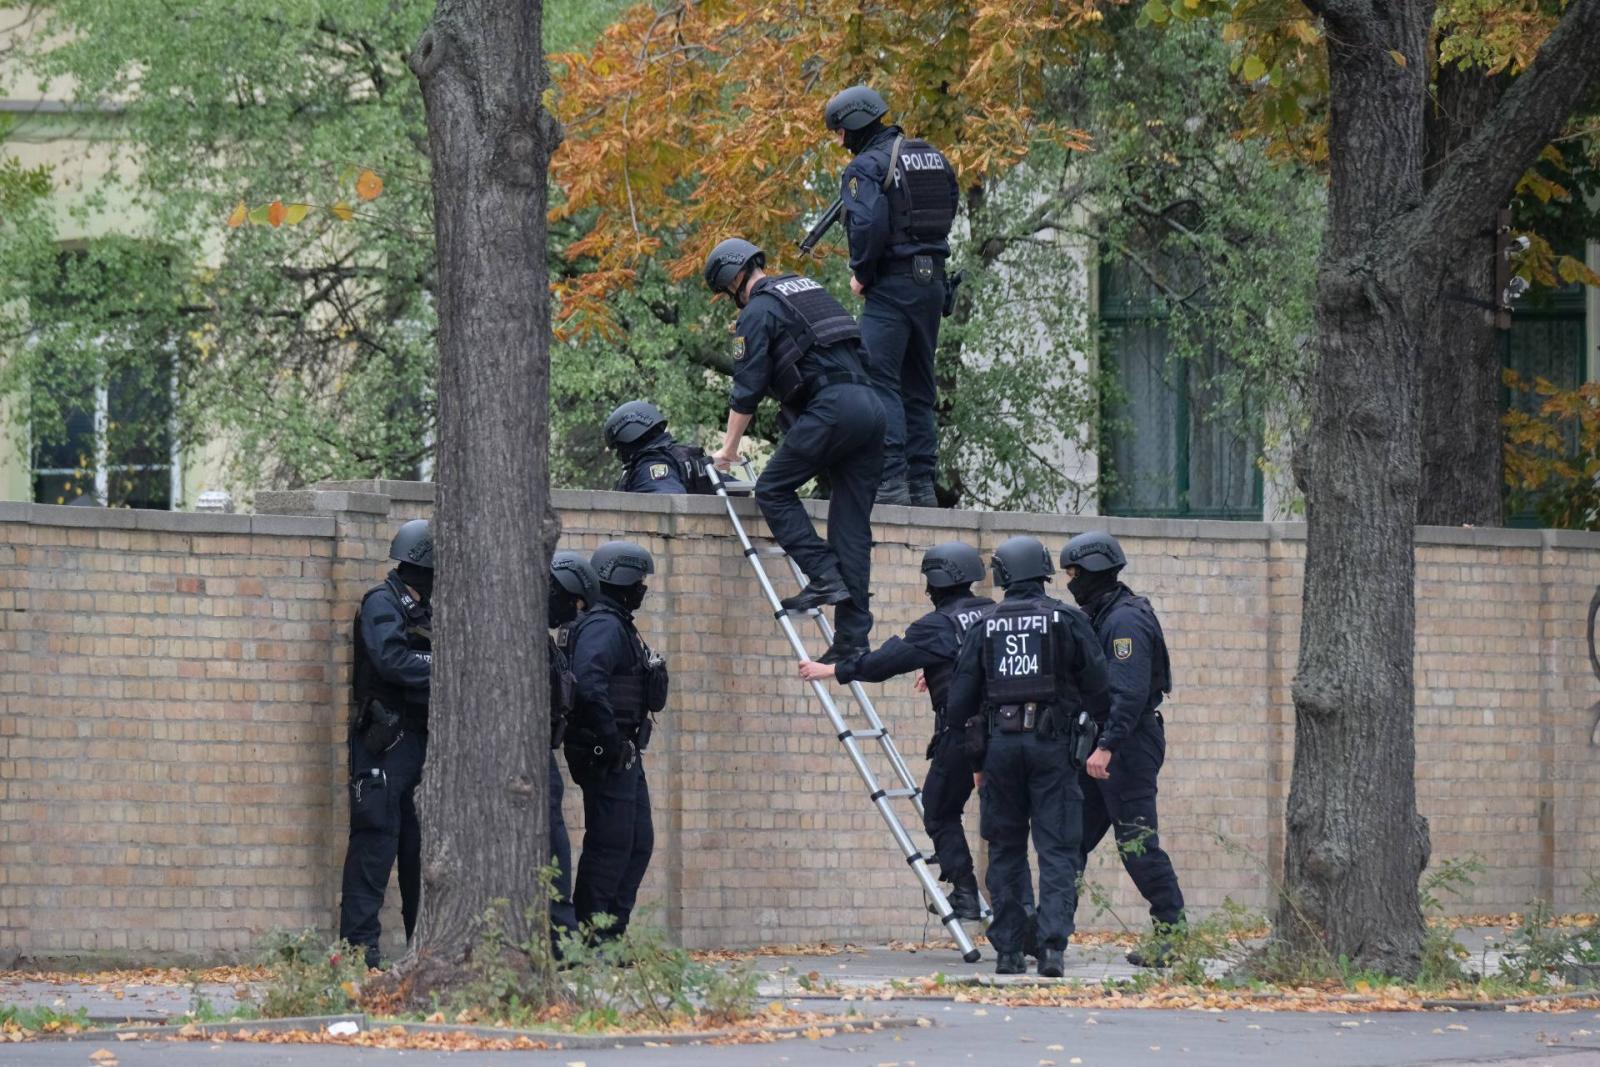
x: 658, y: 471
x: 738, y: 346
x: 1122, y: 647
x: 854, y: 184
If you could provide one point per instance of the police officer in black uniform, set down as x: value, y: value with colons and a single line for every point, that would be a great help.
x: 637, y: 432
x: 900, y: 198
x: 573, y: 587
x: 930, y: 645
x: 1029, y: 674
x: 1119, y: 779
x: 797, y: 342
x: 619, y: 685
x: 391, y: 670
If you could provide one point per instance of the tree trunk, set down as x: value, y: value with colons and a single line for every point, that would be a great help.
x: 1356, y: 843
x: 483, y: 799
x: 1463, y: 472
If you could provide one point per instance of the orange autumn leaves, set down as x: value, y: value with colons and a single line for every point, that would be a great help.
x: 698, y: 120
x: 367, y: 184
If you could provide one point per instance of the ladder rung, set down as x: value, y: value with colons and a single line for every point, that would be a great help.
x: 896, y: 793
x: 774, y: 552
x: 738, y: 485
x: 864, y: 734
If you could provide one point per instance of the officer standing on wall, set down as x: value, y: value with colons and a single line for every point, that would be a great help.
x: 637, y: 432
x: 619, y: 685
x: 573, y: 587
x: 1029, y: 674
x: 797, y: 342
x: 1119, y: 779
x: 900, y: 198
x: 391, y: 671
x: 930, y: 645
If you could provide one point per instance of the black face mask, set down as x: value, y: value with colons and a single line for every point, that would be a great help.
x: 418, y: 578
x: 561, y: 609
x: 1091, y: 584
x: 626, y: 597
x: 856, y: 140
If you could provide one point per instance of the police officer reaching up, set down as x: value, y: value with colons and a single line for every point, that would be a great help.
x: 798, y: 343
x: 637, y: 432
x: 391, y: 675
x: 930, y: 645
x: 1119, y: 779
x: 900, y: 198
x: 620, y: 684
x: 1029, y: 675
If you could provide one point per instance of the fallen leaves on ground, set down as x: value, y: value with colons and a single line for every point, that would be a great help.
x: 173, y: 976
x: 731, y: 955
x: 760, y: 1028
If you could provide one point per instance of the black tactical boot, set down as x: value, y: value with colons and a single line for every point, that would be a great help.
x: 820, y: 591
x: 1051, y: 965
x: 922, y: 493
x: 1010, y: 963
x: 893, y: 493
x: 964, y: 899
x: 1154, y: 954
x: 840, y: 651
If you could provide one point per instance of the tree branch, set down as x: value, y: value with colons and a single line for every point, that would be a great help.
x: 1482, y: 175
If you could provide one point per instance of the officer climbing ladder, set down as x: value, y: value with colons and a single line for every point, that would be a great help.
x: 881, y: 798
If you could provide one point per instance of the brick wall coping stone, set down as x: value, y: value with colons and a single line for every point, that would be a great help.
x: 199, y: 522
x: 309, y: 513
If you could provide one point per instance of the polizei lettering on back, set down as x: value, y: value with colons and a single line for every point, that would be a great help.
x: 965, y: 619
x: 1010, y: 624
x: 795, y: 286
x: 922, y: 161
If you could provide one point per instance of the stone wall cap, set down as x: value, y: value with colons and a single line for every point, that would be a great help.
x: 1570, y: 538
x: 293, y: 525
x: 319, y: 502
x: 394, y: 489
x: 192, y: 522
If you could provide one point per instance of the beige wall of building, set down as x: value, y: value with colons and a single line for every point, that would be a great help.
x: 173, y: 686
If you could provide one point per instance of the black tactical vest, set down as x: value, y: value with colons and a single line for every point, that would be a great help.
x: 921, y: 206
x: 1160, y: 661
x: 367, y: 684
x: 626, y: 686
x: 961, y: 613
x: 1020, y: 639
x: 818, y: 321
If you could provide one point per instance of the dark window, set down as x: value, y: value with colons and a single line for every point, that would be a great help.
x: 1547, y: 339
x: 1169, y: 447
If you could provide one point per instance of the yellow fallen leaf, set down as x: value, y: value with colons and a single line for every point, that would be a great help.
x: 103, y: 1056
x: 237, y: 216
x: 1055, y: 1048
x: 1455, y: 1026
x: 189, y: 1030
x: 128, y: 1036
x: 342, y: 210
x: 1399, y: 58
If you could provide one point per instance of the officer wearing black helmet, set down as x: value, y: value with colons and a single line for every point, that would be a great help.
x: 1029, y: 674
x: 391, y: 672
x: 620, y: 685
x: 798, y: 343
x: 1119, y: 779
x: 900, y: 198
x: 930, y: 645
x: 573, y: 587
x: 637, y: 432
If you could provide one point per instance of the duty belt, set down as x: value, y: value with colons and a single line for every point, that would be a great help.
x: 904, y: 266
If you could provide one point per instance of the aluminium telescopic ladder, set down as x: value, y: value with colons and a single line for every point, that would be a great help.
x: 881, y: 798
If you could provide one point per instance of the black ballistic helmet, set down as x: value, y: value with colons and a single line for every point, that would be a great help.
x: 1094, y: 551
x: 413, y: 544
x: 632, y: 423
x: 1020, y: 559
x: 728, y: 260
x: 951, y: 564
x: 622, y: 563
x: 572, y: 572
x: 853, y: 108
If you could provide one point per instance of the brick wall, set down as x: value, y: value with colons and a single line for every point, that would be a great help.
x: 171, y: 760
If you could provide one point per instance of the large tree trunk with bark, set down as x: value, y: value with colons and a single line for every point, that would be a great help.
x: 1463, y: 478
x: 1356, y: 843
x: 483, y: 806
